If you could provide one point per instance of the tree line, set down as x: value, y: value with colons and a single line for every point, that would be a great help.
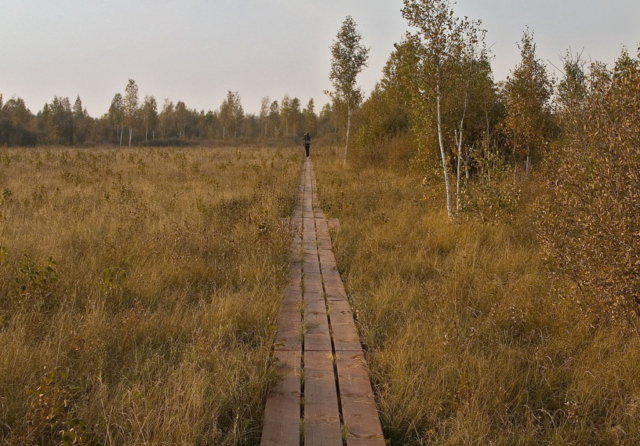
x: 438, y: 94
x: 572, y: 142
x: 438, y: 90
x: 142, y: 121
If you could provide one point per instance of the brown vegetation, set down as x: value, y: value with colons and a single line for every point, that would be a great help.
x: 470, y: 338
x: 138, y: 290
x: 589, y: 223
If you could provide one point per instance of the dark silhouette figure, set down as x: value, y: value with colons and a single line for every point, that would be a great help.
x: 307, y: 143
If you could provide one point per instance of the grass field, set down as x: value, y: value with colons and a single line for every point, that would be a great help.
x: 470, y: 338
x: 138, y: 290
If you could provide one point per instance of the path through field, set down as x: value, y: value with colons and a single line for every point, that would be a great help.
x: 325, y: 396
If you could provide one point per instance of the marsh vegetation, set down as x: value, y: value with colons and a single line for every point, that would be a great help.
x: 137, y: 292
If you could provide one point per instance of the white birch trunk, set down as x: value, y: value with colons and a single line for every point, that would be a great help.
x: 346, y: 147
x: 467, y: 167
x: 447, y: 181
x: 458, y: 172
x: 459, y: 141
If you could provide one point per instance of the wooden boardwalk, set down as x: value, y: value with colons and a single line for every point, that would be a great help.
x: 325, y: 397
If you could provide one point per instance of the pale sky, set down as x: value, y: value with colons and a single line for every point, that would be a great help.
x: 196, y: 50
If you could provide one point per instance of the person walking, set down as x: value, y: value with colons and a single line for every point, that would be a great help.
x: 307, y: 143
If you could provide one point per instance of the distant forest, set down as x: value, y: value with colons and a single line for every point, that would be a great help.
x: 438, y: 96
x: 141, y: 121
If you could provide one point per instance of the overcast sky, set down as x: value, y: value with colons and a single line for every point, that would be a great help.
x: 196, y: 50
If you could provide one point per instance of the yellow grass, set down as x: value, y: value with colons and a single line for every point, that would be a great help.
x: 138, y: 290
x: 470, y: 340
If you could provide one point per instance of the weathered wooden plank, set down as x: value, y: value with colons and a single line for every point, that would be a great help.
x: 335, y: 291
x: 324, y: 301
x: 340, y: 311
x: 315, y: 305
x: 313, y: 285
x: 345, y: 337
x: 311, y: 268
x: 365, y: 441
x: 282, y: 413
x: 321, y: 415
x: 292, y: 294
x: 324, y: 244
x: 317, y: 336
x: 310, y: 247
x: 344, y: 330
x: 294, y: 277
x: 359, y: 411
x: 289, y: 325
x: 326, y: 255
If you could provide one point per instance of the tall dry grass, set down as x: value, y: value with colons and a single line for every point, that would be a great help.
x: 470, y: 340
x: 138, y: 290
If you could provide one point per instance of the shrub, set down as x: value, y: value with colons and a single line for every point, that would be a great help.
x: 589, y: 222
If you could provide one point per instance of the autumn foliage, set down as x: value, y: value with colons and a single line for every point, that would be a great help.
x: 590, y: 226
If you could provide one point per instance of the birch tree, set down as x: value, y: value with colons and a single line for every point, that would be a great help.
x: 471, y: 70
x: 274, y: 116
x: 527, y: 94
x: 116, y: 115
x: 439, y: 34
x: 231, y: 113
x: 264, y: 114
x: 349, y: 58
x: 80, y: 117
x: 310, y: 118
x: 286, y: 113
x: 149, y: 116
x: 166, y: 117
x: 181, y: 118
x: 130, y: 106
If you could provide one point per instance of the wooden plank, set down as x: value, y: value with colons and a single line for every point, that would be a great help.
x: 310, y: 247
x: 317, y: 336
x: 345, y: 337
x: 289, y: 337
x: 324, y: 244
x: 344, y: 330
x: 313, y: 285
x: 282, y: 413
x: 335, y: 291
x: 321, y: 415
x: 359, y: 411
x: 325, y: 302
x: 315, y: 305
x: 340, y: 311
x: 310, y: 268
x: 294, y: 278
x: 289, y: 322
x: 365, y: 441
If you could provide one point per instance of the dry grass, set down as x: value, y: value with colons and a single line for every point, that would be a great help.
x: 470, y: 340
x: 137, y: 292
